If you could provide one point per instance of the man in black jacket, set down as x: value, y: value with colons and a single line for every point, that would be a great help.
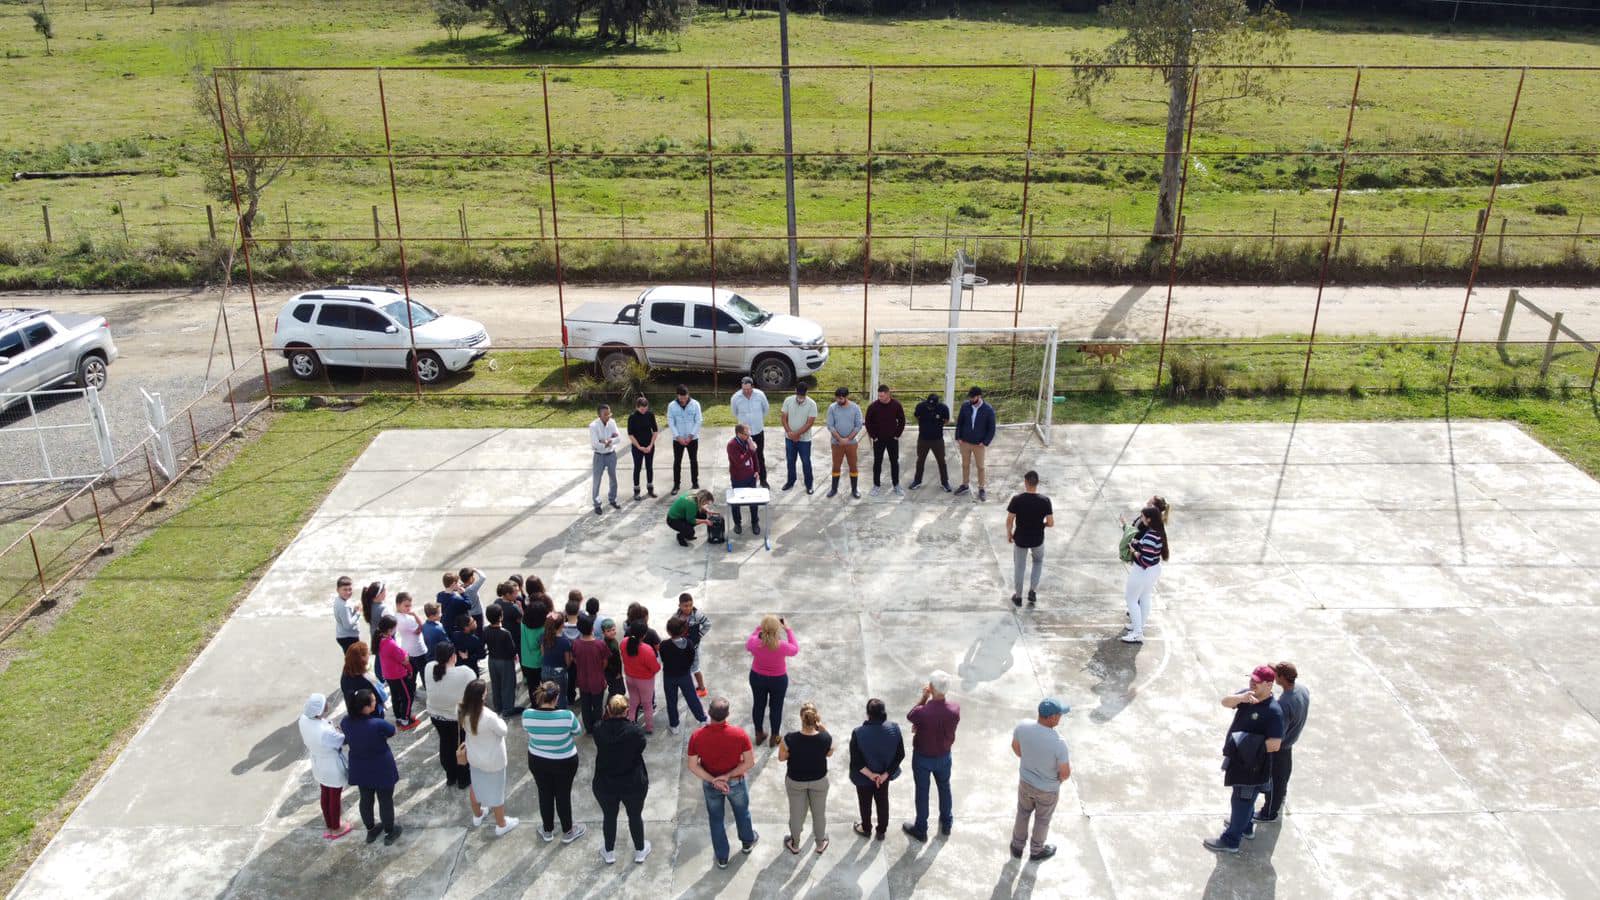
x: 1255, y: 735
x: 932, y: 416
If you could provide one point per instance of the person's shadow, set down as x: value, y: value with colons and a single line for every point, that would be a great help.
x: 1249, y: 874
x: 990, y: 655
x: 1114, y: 667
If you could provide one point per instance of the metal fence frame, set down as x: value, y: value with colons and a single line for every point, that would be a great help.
x: 870, y: 152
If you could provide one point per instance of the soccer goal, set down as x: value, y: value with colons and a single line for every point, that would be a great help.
x: 1014, y: 366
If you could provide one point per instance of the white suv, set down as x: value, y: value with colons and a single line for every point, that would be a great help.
x: 360, y: 325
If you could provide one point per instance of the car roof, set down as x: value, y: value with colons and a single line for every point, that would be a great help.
x: 686, y: 293
x: 10, y: 316
x: 358, y: 293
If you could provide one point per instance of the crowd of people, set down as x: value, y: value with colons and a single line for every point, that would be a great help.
x: 589, y: 679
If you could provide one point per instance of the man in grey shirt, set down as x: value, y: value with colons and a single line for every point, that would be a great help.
x: 845, y: 424
x: 1295, y: 701
x: 1045, y: 764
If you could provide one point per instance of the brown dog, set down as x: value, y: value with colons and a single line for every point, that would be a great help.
x: 1102, y: 351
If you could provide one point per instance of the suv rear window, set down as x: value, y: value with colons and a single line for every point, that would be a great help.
x: 303, y: 312
x: 667, y: 313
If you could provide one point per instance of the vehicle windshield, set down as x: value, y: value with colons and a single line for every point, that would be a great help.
x: 420, y: 315
x: 745, y: 311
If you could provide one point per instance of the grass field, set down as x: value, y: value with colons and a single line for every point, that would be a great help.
x: 116, y: 95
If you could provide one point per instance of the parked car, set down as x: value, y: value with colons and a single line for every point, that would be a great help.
x: 675, y: 327
x: 41, y: 349
x: 361, y: 325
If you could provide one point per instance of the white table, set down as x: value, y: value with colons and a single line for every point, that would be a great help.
x: 751, y: 496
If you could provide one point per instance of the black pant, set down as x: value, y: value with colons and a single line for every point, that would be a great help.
x: 344, y: 643
x: 677, y: 463
x: 400, y: 694
x: 869, y: 796
x: 593, y: 703
x: 755, y: 510
x: 890, y: 446
x: 531, y: 676
x: 937, y: 449
x: 766, y: 689
x: 449, y: 738
x: 630, y: 798
x: 554, y: 780
x: 385, y: 798
x: 1282, y: 766
x: 684, y: 529
x: 649, y: 460
x: 761, y: 455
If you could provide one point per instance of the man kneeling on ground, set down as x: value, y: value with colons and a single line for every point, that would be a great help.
x: 689, y: 510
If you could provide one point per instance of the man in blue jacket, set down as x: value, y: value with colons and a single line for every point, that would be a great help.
x: 975, y: 427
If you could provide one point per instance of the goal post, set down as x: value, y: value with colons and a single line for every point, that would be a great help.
x: 1015, y: 367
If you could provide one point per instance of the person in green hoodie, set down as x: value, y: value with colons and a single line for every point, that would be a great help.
x: 688, y: 511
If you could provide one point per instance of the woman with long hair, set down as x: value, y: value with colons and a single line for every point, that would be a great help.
x: 484, y: 733
x: 807, y: 751
x: 325, y: 743
x: 620, y: 778
x: 374, y: 606
x: 356, y: 677
x: 556, y: 652
x: 553, y: 760
x: 372, y: 768
x: 1150, y: 550
x: 531, y: 647
x: 770, y: 646
x: 447, y: 684
x: 639, y: 668
x: 395, y: 661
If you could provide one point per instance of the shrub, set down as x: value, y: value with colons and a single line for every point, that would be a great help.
x: 1551, y: 209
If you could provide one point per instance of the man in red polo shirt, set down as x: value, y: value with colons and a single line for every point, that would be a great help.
x: 719, y: 755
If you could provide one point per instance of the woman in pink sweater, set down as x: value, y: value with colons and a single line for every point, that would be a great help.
x: 396, y: 667
x: 770, y: 647
x: 639, y: 668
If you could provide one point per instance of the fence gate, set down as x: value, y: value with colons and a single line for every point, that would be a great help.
x: 50, y: 436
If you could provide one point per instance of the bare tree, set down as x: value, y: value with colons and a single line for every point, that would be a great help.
x: 1178, y: 35
x: 268, y: 117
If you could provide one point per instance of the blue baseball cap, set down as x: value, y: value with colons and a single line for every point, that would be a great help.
x: 1050, y: 706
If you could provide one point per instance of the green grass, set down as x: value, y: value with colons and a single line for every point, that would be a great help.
x: 116, y: 94
x: 166, y: 595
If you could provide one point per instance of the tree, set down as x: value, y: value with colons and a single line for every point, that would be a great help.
x: 1178, y: 35
x: 668, y: 16
x: 43, y: 25
x: 452, y: 16
x: 537, y: 21
x: 266, y: 115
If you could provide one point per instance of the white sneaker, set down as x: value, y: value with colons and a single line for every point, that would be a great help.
x: 578, y: 831
x: 673, y: 729
x: 546, y: 836
x: 478, y: 819
x: 609, y: 856
x: 877, y: 490
x: 1133, y: 637
x: 640, y: 854
x: 899, y: 491
x: 511, y: 822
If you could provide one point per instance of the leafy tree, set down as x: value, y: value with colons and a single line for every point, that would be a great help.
x: 668, y: 16
x: 1178, y: 35
x: 266, y: 115
x: 43, y: 25
x: 537, y: 21
x: 452, y: 16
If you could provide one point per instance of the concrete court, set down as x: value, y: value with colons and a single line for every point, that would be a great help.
x: 1425, y: 577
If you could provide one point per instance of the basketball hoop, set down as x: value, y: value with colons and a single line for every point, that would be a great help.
x: 970, y: 280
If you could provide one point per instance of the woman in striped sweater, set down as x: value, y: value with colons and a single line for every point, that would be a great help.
x: 1149, y: 551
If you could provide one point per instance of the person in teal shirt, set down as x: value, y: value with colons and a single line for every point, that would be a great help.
x: 688, y: 511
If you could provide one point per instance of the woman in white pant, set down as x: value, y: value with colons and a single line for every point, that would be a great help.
x: 1149, y: 550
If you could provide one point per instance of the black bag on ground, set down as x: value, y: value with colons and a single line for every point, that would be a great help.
x: 717, y: 529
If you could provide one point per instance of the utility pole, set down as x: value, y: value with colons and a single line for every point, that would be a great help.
x: 788, y: 160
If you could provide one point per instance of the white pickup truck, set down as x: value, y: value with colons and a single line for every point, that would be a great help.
x: 681, y: 328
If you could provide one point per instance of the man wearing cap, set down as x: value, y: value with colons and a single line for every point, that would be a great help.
x: 932, y: 416
x: 1045, y: 764
x: 799, y: 414
x: 886, y: 421
x: 1295, y: 701
x: 845, y: 424
x: 1027, y: 516
x: 933, y: 732
x: 1254, y: 737
x: 975, y: 427
x: 750, y: 409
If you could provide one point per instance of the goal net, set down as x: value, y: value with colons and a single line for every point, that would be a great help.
x: 1014, y: 366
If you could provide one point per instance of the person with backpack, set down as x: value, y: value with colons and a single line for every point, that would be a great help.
x: 1147, y: 550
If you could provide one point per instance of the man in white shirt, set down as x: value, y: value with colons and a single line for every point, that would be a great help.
x: 798, y: 415
x: 604, y: 439
x: 750, y: 408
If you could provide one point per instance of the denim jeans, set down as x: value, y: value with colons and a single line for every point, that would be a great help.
x: 681, y: 684
x: 1242, y: 808
x: 938, y: 768
x: 765, y: 689
x: 738, y: 796
x: 801, y: 450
